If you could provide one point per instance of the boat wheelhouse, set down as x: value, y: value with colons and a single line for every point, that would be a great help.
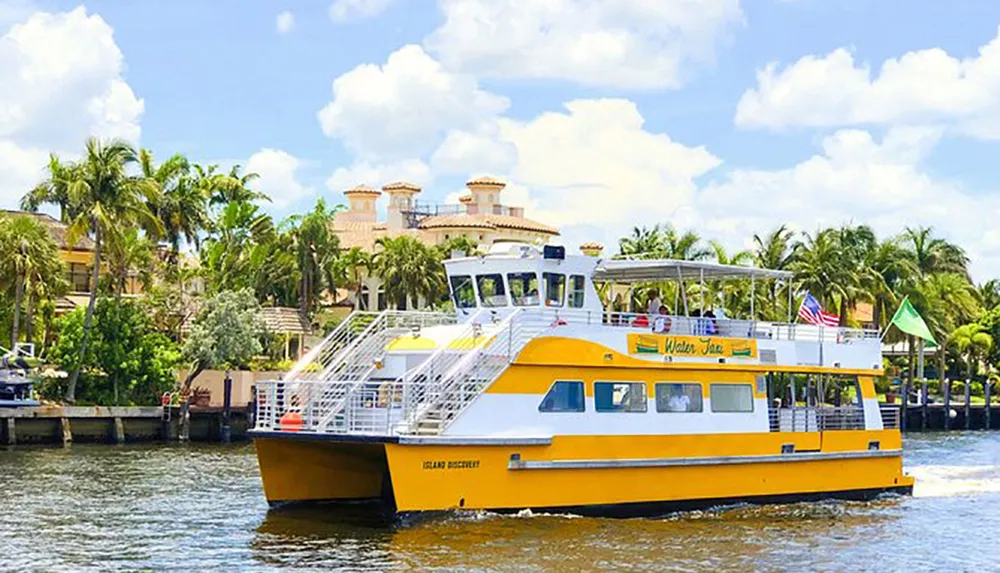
x: 536, y: 394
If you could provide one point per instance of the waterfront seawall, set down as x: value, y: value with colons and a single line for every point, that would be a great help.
x: 116, y: 424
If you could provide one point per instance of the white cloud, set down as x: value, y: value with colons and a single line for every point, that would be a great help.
x: 637, y: 44
x: 919, y: 87
x: 855, y: 178
x: 278, y: 171
x: 481, y: 150
x: 592, y: 169
x: 374, y: 175
x: 403, y: 108
x: 62, y: 82
x: 347, y: 10
x: 284, y: 22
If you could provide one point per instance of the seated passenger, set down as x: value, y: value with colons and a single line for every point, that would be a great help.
x: 711, y: 327
x: 661, y: 323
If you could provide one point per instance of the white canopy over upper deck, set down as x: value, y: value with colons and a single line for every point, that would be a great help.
x: 627, y: 271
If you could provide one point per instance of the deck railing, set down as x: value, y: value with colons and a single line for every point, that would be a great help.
x: 816, y: 418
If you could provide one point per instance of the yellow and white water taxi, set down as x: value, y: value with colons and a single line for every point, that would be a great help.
x: 532, y: 395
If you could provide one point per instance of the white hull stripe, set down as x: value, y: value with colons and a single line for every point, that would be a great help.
x: 516, y: 464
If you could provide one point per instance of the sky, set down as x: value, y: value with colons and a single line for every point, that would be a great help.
x: 728, y: 117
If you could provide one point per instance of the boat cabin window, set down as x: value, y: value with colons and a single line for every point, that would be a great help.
x: 462, y: 291
x: 731, y: 397
x: 555, y: 288
x: 672, y: 397
x: 491, y: 291
x: 577, y: 283
x: 620, y: 396
x: 523, y: 288
x: 563, y: 396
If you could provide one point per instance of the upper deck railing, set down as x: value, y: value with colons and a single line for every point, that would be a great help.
x: 722, y: 327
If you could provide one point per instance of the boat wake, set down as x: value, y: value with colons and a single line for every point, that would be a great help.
x: 951, y: 481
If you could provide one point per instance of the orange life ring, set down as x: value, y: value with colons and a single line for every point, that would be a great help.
x: 291, y: 421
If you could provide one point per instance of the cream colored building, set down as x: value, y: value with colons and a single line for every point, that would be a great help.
x: 479, y: 216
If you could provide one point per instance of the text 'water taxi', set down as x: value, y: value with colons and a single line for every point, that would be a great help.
x: 532, y: 395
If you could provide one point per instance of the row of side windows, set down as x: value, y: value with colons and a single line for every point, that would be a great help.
x: 568, y: 396
x: 523, y: 288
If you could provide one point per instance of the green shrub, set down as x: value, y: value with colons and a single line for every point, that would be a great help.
x: 127, y: 361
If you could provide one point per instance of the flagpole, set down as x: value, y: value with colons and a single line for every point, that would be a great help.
x: 888, y: 326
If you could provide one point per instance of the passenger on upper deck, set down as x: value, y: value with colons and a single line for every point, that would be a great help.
x: 653, y: 301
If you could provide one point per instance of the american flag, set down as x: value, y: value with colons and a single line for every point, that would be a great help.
x: 811, y: 312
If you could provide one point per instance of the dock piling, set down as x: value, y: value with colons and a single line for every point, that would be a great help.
x: 66, y: 430
x: 119, y: 430
x: 947, y: 404
x: 226, y: 432
x: 10, y: 435
x: 923, y: 405
x: 968, y: 404
x: 986, y: 393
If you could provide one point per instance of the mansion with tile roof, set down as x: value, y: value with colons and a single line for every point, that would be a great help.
x: 479, y: 216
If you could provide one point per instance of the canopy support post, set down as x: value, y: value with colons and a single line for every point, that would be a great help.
x: 680, y: 288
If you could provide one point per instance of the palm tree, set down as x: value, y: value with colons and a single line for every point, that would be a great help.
x: 106, y: 199
x: 30, y: 261
x: 233, y: 187
x: 989, y: 294
x: 642, y: 241
x: 973, y: 340
x: 686, y: 246
x: 409, y: 269
x: 944, y: 300
x: 54, y: 190
x: 934, y: 255
x: 352, y: 267
x: 774, y: 251
x: 888, y: 269
x: 130, y: 251
x: 316, y: 250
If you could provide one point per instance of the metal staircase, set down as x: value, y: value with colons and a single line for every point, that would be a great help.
x: 447, y: 383
x: 347, y: 357
x: 337, y: 390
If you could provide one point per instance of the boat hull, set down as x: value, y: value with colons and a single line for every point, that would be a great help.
x: 588, y: 475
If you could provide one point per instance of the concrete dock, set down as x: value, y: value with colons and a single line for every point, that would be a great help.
x: 100, y: 424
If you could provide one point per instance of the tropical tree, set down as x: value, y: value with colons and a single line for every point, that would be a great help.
x: 934, y: 255
x: 352, y: 267
x: 989, y: 294
x: 887, y: 270
x: 971, y: 340
x: 774, y: 251
x: 233, y: 187
x: 54, y: 190
x: 684, y: 246
x: 642, y: 241
x: 316, y: 251
x: 105, y: 198
x: 30, y: 267
x: 226, y: 333
x: 944, y: 300
x: 409, y: 269
x: 131, y: 251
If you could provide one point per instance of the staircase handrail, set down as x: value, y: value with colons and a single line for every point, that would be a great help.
x: 436, y: 389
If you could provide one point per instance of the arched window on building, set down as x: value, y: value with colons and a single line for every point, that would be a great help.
x: 382, y: 305
x: 362, y: 302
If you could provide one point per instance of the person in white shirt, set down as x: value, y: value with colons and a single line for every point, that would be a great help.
x: 679, y: 402
x: 653, y: 297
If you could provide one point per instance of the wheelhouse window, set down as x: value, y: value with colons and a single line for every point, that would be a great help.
x: 563, y: 396
x: 576, y: 289
x: 555, y: 289
x: 491, y: 291
x: 462, y: 291
x: 620, y: 396
x: 731, y: 397
x: 674, y: 397
x: 523, y: 288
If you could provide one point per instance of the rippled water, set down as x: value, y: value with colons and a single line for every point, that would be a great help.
x: 201, y: 506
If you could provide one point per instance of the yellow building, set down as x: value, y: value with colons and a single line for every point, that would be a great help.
x: 78, y: 259
x: 479, y: 216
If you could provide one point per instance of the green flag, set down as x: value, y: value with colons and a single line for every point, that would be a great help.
x: 909, y: 321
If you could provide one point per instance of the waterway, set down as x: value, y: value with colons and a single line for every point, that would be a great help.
x: 199, y: 507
